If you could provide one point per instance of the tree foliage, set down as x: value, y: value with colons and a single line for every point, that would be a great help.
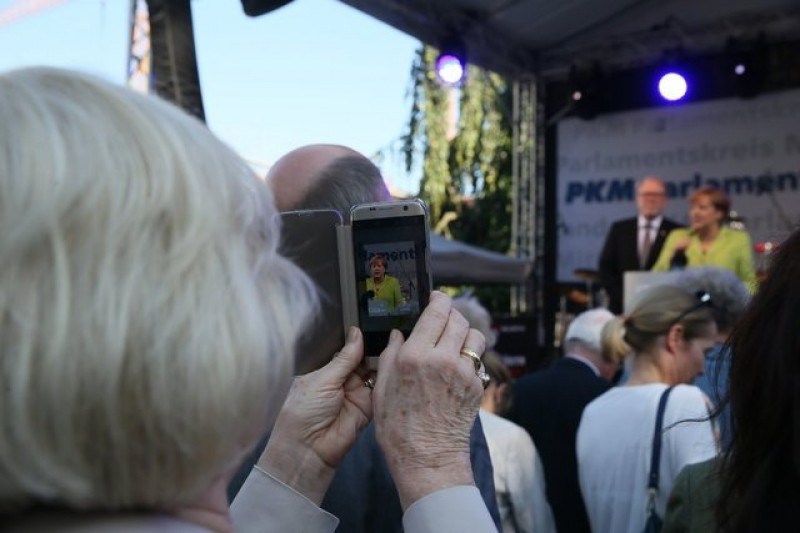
x: 466, y: 177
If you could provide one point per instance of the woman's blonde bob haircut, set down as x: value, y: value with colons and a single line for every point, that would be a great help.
x: 146, y: 320
x: 659, y: 309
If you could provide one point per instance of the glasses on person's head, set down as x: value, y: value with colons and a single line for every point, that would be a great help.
x: 703, y: 300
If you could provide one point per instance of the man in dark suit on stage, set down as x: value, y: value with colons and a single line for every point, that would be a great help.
x: 549, y: 404
x: 634, y: 243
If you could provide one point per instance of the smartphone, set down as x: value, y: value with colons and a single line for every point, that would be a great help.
x: 392, y: 272
x: 309, y: 240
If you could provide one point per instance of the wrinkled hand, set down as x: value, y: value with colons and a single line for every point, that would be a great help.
x: 319, y: 422
x: 426, y: 399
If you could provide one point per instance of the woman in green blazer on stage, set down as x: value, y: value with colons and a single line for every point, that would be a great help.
x: 707, y: 241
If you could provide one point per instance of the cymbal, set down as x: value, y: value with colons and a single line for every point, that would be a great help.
x: 584, y: 274
x: 573, y: 295
x: 578, y: 296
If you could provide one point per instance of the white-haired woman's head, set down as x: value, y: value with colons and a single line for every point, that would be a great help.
x: 146, y: 320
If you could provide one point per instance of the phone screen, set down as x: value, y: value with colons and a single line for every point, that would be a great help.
x: 392, y: 276
x: 308, y: 239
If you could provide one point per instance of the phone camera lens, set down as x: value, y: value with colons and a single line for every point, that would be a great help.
x: 405, y: 208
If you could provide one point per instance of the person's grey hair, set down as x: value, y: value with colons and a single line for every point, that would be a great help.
x: 729, y: 294
x: 147, y: 321
x: 585, y: 330
x: 477, y: 316
x: 349, y: 180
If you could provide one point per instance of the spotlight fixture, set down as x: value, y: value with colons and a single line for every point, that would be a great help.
x: 452, y: 62
x: 672, y: 86
x: 747, y: 64
x: 585, y: 91
x: 672, y: 80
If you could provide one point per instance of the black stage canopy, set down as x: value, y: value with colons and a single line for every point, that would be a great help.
x: 547, y: 37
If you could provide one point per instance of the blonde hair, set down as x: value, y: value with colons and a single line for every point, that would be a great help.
x: 146, y: 320
x: 659, y: 308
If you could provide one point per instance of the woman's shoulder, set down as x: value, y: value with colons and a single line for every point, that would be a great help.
x: 493, y: 422
x: 615, y: 397
x: 734, y: 234
x: 702, y: 471
x: 688, y: 402
x: 504, y: 431
x: 689, y: 393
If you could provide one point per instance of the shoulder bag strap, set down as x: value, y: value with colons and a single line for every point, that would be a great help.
x: 655, y: 457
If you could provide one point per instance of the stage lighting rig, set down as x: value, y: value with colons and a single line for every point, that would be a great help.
x: 451, y: 65
x: 672, y: 80
x: 747, y: 63
x: 586, y: 91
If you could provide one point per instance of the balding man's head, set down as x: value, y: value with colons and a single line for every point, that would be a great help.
x: 651, y: 197
x: 325, y: 176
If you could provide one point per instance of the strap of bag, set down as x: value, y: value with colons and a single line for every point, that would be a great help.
x: 655, y: 456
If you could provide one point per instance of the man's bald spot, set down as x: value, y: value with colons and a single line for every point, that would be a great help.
x: 294, y: 174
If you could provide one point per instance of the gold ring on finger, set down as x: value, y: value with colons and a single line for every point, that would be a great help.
x: 472, y: 354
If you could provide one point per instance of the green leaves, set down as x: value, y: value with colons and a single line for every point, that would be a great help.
x: 462, y: 138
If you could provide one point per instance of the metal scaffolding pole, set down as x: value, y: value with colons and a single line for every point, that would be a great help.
x: 524, y: 187
x: 139, y: 49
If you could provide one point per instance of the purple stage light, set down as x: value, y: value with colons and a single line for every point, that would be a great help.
x: 672, y: 86
x: 449, y: 68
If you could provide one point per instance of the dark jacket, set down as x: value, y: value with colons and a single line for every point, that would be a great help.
x: 691, y: 504
x: 362, y: 494
x: 621, y: 254
x: 690, y: 507
x: 549, y: 404
x: 364, y: 498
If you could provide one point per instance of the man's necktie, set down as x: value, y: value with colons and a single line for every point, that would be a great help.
x: 647, y: 243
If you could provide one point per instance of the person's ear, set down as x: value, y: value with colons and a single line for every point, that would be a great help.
x: 674, y: 337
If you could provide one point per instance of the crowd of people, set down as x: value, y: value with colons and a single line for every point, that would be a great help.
x: 150, y: 329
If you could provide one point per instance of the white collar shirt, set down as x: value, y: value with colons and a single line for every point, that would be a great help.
x: 642, y: 225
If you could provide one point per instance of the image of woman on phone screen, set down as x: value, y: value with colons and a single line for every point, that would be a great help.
x: 385, y: 289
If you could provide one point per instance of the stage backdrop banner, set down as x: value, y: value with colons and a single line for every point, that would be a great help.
x: 749, y: 148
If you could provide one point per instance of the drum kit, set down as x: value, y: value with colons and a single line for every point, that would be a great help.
x: 587, y: 297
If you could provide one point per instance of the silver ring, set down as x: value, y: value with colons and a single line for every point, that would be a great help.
x: 485, y: 379
x: 472, y: 354
x: 369, y: 383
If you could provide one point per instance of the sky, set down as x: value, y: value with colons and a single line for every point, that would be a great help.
x: 311, y: 71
